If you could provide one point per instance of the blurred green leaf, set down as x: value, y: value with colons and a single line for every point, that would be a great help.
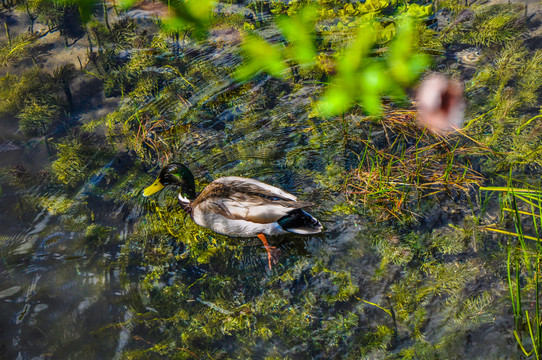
x: 371, y: 103
x: 126, y: 4
x: 260, y: 56
x: 199, y: 10
x: 175, y: 25
x: 365, y: 78
x: 336, y: 100
x: 375, y: 78
x: 405, y: 65
x: 299, y: 31
x: 189, y: 15
x: 358, y: 50
x: 374, y: 82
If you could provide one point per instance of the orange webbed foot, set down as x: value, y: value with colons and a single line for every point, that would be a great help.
x: 273, y: 252
x: 273, y: 255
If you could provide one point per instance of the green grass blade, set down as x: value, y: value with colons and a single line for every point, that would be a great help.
x: 527, y: 353
x: 531, y: 334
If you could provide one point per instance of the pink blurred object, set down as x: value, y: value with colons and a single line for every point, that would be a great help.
x: 440, y: 104
x: 145, y: 9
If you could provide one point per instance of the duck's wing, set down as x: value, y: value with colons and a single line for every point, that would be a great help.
x: 247, y: 199
x: 251, y: 186
x: 258, y: 210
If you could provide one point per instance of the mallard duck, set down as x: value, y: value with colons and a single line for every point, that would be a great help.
x: 239, y: 207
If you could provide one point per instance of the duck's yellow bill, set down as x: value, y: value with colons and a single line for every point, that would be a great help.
x: 155, y: 187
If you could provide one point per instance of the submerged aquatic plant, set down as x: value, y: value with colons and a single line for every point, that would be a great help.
x: 78, y: 155
x: 15, y: 50
x: 524, y: 206
x: 199, y: 294
x: 63, y: 76
x: 394, y: 177
x: 34, y: 85
x: 35, y: 118
x: 487, y: 25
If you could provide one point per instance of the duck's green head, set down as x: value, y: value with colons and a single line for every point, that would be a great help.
x: 177, y: 175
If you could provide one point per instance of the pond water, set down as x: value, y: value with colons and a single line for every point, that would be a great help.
x: 405, y: 268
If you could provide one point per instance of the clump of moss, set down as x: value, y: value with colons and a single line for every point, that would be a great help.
x: 488, y: 25
x: 97, y: 235
x: 35, y: 85
x: 35, y: 118
x: 78, y: 155
x: 57, y: 205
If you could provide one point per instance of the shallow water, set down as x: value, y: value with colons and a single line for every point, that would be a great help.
x: 78, y: 261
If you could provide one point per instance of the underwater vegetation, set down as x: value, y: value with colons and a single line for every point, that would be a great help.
x: 431, y: 248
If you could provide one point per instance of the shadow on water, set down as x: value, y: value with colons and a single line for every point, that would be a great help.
x: 61, y: 288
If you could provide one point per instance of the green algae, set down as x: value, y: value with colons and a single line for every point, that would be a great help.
x: 376, y: 292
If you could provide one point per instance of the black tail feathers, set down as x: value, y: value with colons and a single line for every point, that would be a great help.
x: 300, y: 222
